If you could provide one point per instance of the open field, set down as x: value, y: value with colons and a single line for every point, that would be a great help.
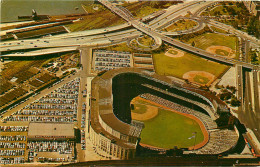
x: 177, y: 66
x: 180, y: 25
x: 167, y: 129
x: 211, y: 39
x: 228, y: 10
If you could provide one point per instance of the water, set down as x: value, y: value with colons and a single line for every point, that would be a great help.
x: 11, y: 9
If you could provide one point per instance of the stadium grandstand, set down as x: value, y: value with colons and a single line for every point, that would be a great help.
x: 114, y: 133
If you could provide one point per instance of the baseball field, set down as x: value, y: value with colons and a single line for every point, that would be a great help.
x: 166, y: 128
x: 217, y: 44
x: 187, y: 66
x: 181, y: 64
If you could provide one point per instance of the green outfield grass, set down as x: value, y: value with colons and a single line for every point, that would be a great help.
x: 165, y: 65
x: 208, y: 39
x: 220, y: 10
x: 169, y: 129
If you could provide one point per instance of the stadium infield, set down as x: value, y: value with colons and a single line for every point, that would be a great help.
x: 167, y: 128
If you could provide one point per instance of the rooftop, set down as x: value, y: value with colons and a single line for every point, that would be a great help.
x: 51, y: 129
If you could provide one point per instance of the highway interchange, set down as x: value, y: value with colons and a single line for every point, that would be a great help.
x: 118, y: 34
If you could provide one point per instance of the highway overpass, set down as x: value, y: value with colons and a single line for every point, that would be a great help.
x: 153, y: 33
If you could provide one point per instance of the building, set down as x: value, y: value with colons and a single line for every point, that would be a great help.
x: 51, y: 131
x: 111, y: 129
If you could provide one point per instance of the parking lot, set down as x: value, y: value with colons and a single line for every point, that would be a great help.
x: 60, y: 105
x: 107, y: 60
x: 57, y: 106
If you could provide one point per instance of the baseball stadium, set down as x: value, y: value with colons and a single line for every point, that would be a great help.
x: 133, y: 108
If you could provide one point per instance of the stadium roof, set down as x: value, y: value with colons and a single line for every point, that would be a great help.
x: 51, y: 129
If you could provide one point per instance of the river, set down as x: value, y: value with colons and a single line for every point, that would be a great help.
x: 11, y: 9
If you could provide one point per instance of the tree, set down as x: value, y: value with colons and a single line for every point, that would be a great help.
x: 193, y: 43
x: 253, y: 26
x: 235, y: 24
x: 154, y: 4
x: 234, y: 102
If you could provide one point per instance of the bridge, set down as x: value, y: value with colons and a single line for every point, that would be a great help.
x: 153, y: 33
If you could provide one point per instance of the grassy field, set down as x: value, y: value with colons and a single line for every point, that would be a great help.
x: 209, y: 39
x: 146, y: 41
x: 170, y: 129
x: 165, y: 65
x: 221, y: 10
x: 180, y: 25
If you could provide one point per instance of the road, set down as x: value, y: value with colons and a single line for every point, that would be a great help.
x: 248, y: 116
x: 69, y: 42
x: 77, y: 39
x: 248, y: 93
x: 42, y: 52
x: 200, y: 26
x: 240, y: 84
x: 152, y: 32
